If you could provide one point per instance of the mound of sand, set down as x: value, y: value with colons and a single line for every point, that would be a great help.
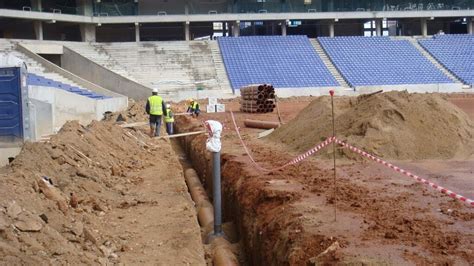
x: 395, y: 125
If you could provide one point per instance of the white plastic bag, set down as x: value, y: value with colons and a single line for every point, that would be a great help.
x: 214, y: 129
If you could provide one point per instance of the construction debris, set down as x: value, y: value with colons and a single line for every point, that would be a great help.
x: 265, y: 133
x: 257, y: 99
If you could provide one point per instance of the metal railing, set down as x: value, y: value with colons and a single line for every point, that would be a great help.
x: 132, y: 8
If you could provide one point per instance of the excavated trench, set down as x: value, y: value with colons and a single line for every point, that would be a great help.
x: 266, y: 236
x: 225, y: 251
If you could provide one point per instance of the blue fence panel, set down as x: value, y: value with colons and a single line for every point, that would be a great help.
x: 11, y: 117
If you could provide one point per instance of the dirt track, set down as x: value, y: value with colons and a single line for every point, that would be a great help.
x: 287, y: 216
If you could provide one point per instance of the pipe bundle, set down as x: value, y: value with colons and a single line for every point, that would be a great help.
x: 257, y: 99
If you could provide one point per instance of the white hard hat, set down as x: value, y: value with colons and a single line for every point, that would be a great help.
x: 155, y: 90
x: 168, y: 105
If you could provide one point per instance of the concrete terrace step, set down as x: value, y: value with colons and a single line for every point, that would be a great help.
x: 37, y: 68
x: 98, y: 55
x: 328, y: 63
x: 221, y: 73
x: 166, y: 64
x: 435, y: 62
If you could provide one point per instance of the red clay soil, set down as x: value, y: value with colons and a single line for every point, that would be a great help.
x: 287, y: 217
x: 129, y: 203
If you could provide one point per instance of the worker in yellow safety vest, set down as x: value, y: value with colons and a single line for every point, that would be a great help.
x: 193, y: 107
x: 169, y: 119
x: 155, y: 108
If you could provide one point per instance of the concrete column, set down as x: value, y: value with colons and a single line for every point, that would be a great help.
x: 88, y: 32
x: 137, y: 32
x: 330, y: 5
x: 36, y: 5
x: 283, y: 28
x: 331, y: 29
x: 236, y: 28
x: 187, y: 35
x: 85, y: 7
x: 424, y: 27
x: 39, y: 30
x: 378, y: 27
x: 470, y: 26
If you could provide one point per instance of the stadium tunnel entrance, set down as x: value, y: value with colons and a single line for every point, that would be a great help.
x: 17, y: 29
x: 162, y: 32
x: 115, y: 33
x: 61, y: 31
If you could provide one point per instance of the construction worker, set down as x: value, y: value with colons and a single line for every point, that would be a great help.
x: 155, y: 107
x: 169, y: 119
x: 193, y: 107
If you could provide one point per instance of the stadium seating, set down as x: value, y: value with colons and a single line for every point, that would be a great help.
x: 370, y: 61
x: 284, y: 62
x: 169, y: 66
x: 455, y: 52
x: 37, y: 80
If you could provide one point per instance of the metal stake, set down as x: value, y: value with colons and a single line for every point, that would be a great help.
x: 334, y: 153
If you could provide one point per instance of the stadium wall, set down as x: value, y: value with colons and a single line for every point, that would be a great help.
x: 93, y: 72
x: 41, y: 115
x: 414, y: 88
x: 69, y: 106
x: 55, y: 68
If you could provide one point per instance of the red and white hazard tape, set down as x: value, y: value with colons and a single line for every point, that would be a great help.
x: 312, y: 151
x: 296, y: 160
x: 400, y: 170
x: 328, y: 141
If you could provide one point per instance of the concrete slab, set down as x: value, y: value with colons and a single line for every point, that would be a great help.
x: 6, y: 153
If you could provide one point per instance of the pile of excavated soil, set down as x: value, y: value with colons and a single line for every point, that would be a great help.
x: 395, y: 125
x: 134, y: 113
x: 109, y: 194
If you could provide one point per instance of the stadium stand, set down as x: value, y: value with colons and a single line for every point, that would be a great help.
x: 34, y: 66
x: 283, y: 61
x: 455, y: 52
x: 368, y: 61
x: 95, y: 52
x: 38, y: 80
x: 168, y: 66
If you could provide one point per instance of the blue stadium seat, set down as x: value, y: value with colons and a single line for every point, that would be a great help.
x: 370, y: 61
x: 455, y: 52
x: 37, y: 80
x: 283, y: 61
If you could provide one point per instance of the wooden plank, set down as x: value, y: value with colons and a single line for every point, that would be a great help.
x: 278, y: 110
x: 136, y: 124
x: 178, y: 114
x: 182, y: 134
